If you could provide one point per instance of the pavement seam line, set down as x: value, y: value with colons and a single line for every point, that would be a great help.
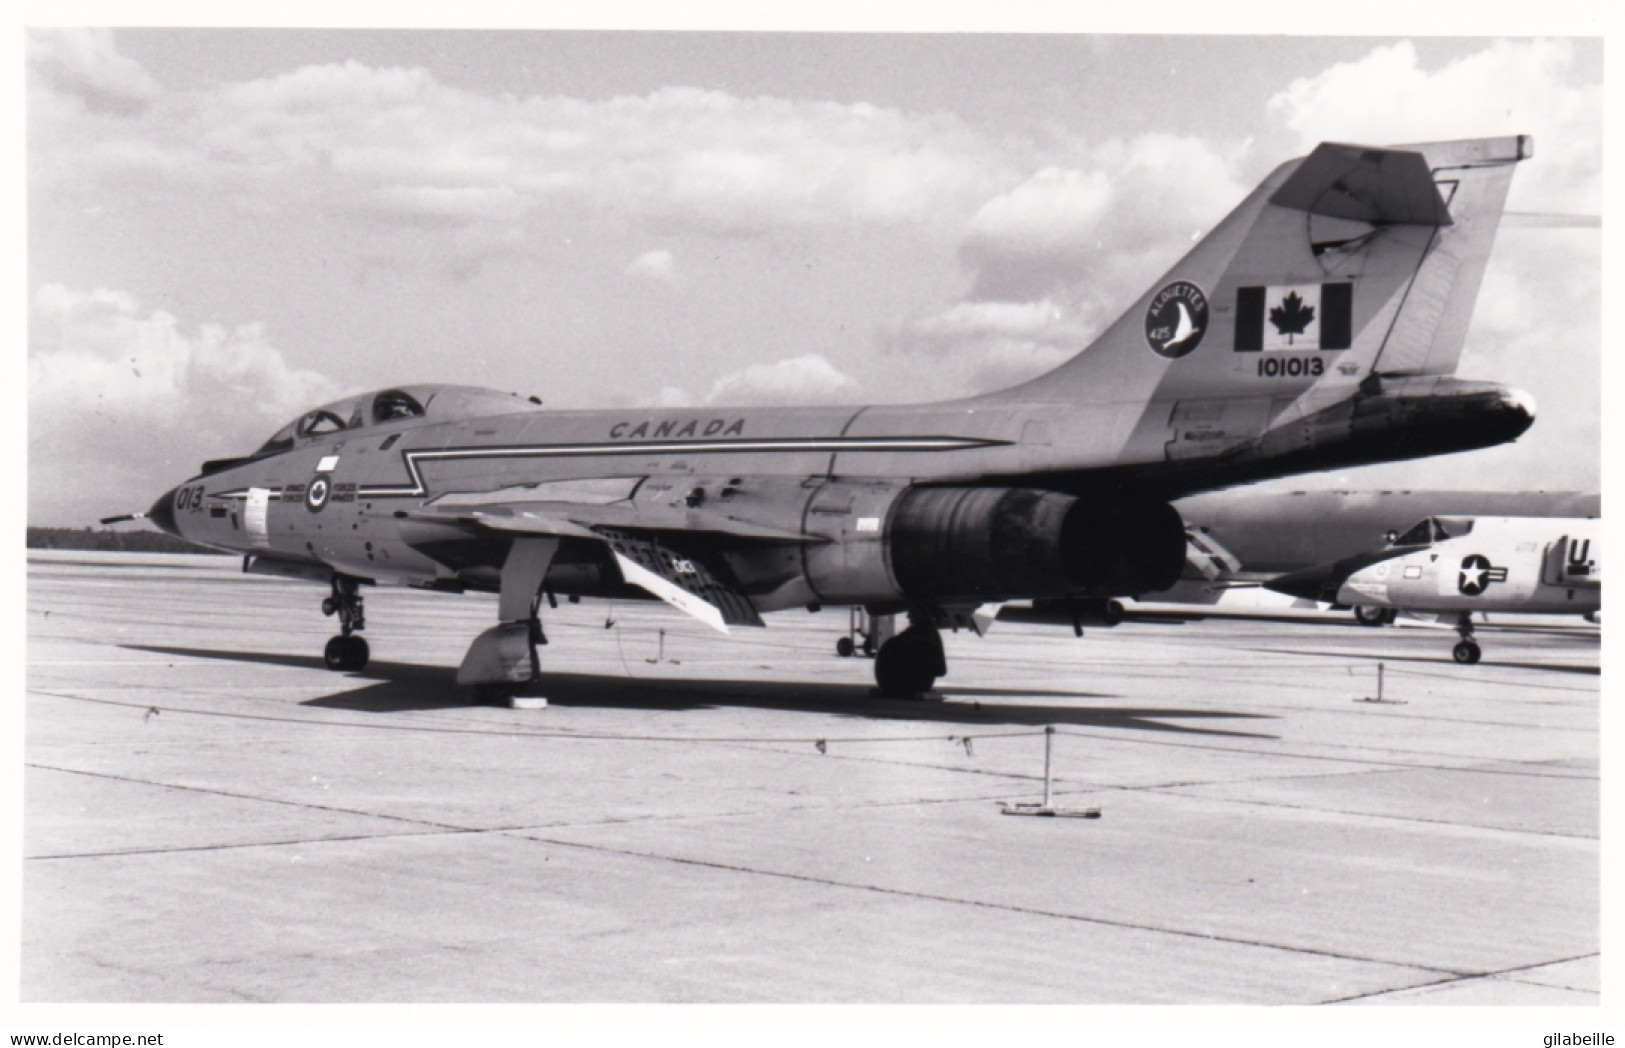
x: 1464, y: 977
x: 246, y: 796
x: 1001, y: 907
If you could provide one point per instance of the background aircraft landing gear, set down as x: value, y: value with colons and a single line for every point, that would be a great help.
x: 346, y: 652
x: 909, y: 663
x: 1466, y: 650
x: 864, y: 632
x: 1372, y: 615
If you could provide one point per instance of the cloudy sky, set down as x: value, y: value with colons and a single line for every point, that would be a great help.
x: 226, y: 227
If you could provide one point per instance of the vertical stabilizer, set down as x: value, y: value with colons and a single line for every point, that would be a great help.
x: 1349, y: 261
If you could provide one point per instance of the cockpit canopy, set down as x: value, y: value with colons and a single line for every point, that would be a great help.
x: 435, y: 403
x: 1429, y: 530
x: 382, y: 409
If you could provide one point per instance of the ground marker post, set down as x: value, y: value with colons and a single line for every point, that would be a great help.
x: 1045, y: 807
x: 1379, y: 698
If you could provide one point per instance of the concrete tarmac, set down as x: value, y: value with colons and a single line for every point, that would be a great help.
x: 211, y: 815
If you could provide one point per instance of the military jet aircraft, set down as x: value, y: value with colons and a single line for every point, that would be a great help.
x: 1317, y: 326
x: 1457, y: 566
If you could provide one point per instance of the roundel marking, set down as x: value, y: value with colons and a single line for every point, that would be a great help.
x: 1476, y: 575
x: 1176, y: 320
x: 316, y: 494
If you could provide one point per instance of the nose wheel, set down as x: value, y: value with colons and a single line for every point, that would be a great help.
x: 346, y: 652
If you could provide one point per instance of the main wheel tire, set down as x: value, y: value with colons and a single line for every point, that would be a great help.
x: 334, y: 653
x: 1111, y: 612
x: 494, y: 694
x: 844, y: 647
x: 906, y: 665
x: 1371, y: 615
x: 1466, y: 652
x: 357, y: 652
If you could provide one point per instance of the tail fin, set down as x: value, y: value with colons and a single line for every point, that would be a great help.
x: 1349, y: 261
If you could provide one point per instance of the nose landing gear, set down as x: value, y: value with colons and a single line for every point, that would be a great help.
x: 346, y: 652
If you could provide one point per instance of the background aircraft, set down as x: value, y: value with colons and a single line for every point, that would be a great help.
x: 1455, y: 566
x: 1316, y: 326
x: 1239, y: 539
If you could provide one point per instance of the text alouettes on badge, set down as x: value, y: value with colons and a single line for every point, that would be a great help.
x: 1294, y: 317
x: 1176, y: 319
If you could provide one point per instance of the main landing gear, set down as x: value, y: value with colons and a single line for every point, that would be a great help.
x: 909, y: 663
x: 1373, y: 615
x: 346, y: 652
x: 1466, y: 650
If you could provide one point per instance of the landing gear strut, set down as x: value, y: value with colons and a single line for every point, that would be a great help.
x: 1466, y: 650
x: 503, y: 659
x: 909, y: 663
x: 346, y: 651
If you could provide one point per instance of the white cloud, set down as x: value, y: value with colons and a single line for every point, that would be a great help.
x: 982, y: 346
x: 653, y: 265
x: 807, y: 379
x: 1096, y: 234
x: 82, y: 64
x: 1059, y: 256
x: 1052, y: 211
x: 131, y: 397
x: 971, y: 319
x: 1523, y: 87
x: 398, y: 145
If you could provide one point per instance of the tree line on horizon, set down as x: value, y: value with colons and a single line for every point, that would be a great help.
x: 109, y: 540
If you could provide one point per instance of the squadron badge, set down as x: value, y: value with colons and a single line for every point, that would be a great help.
x: 1176, y: 319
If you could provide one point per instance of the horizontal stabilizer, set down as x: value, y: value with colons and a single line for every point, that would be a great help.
x: 1380, y: 186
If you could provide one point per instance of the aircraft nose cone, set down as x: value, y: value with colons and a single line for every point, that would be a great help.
x: 162, y: 513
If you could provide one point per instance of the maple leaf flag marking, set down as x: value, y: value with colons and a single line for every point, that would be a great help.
x: 1294, y: 317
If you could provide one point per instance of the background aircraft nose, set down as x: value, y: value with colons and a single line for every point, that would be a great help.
x: 162, y: 513
x: 1320, y: 582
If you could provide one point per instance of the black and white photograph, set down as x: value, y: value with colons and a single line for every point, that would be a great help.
x: 879, y: 514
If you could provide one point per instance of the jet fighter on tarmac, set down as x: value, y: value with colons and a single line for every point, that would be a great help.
x: 1317, y: 326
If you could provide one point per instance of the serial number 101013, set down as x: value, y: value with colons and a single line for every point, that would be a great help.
x: 1291, y: 367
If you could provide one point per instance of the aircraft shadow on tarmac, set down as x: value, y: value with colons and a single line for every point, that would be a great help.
x: 398, y: 687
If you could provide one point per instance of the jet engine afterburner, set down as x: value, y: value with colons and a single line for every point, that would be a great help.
x: 960, y: 543
x: 1020, y: 542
